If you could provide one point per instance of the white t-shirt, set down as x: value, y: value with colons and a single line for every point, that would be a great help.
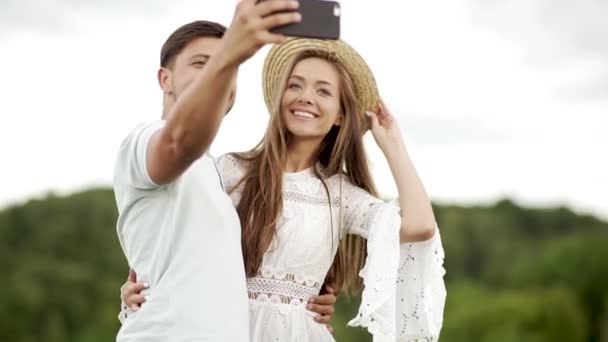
x: 184, y: 238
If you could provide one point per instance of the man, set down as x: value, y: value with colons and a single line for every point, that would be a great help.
x: 178, y: 229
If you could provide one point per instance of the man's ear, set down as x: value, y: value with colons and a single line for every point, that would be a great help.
x: 165, y: 80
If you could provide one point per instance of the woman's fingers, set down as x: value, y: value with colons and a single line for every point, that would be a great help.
x: 135, y: 301
x: 131, y: 293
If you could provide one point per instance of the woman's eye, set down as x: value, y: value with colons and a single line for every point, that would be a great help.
x: 324, y: 92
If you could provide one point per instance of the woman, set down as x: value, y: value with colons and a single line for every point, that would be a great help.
x: 307, y: 201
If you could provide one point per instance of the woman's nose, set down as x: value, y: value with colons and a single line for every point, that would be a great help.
x: 306, y: 97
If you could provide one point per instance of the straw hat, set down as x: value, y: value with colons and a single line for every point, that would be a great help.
x: 280, y: 55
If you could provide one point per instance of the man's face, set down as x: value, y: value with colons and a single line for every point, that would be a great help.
x: 188, y: 64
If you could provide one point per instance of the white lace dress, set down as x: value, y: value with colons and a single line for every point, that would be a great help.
x: 404, y: 292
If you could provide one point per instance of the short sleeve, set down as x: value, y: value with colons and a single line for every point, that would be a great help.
x: 131, y: 165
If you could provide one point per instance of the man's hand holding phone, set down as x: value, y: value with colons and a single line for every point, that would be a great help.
x: 251, y: 28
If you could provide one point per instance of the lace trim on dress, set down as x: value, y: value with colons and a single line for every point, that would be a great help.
x: 279, y: 287
x: 299, y: 197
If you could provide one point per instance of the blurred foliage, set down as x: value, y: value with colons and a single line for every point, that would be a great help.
x: 514, y: 274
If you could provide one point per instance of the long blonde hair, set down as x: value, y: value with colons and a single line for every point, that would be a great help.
x: 341, y: 151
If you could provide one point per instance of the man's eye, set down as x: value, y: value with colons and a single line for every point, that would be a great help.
x: 199, y: 63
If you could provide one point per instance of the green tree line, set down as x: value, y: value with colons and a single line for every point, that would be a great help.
x: 513, y: 273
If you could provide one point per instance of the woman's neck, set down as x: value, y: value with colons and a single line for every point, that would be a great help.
x: 300, y: 155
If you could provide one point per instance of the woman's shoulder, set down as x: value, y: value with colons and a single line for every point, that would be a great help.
x: 234, y: 160
x: 343, y: 183
x: 353, y: 195
x: 228, y: 160
x: 232, y: 167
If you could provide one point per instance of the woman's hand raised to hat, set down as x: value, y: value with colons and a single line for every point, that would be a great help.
x: 385, y: 128
x: 251, y: 25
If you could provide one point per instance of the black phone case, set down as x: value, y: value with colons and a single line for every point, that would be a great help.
x: 320, y: 19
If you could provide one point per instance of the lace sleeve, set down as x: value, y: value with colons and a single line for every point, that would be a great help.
x: 125, y: 312
x: 377, y: 311
x: 404, y: 293
x: 421, y: 290
x: 360, y: 209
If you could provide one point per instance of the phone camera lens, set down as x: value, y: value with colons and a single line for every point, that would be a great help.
x: 337, y: 10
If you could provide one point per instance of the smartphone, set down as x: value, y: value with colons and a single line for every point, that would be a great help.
x: 320, y: 19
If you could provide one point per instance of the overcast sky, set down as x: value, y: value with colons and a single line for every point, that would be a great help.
x: 495, y: 98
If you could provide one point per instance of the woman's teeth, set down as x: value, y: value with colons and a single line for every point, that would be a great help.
x: 304, y: 114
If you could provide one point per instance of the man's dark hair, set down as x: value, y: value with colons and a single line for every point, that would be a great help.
x: 178, y: 40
